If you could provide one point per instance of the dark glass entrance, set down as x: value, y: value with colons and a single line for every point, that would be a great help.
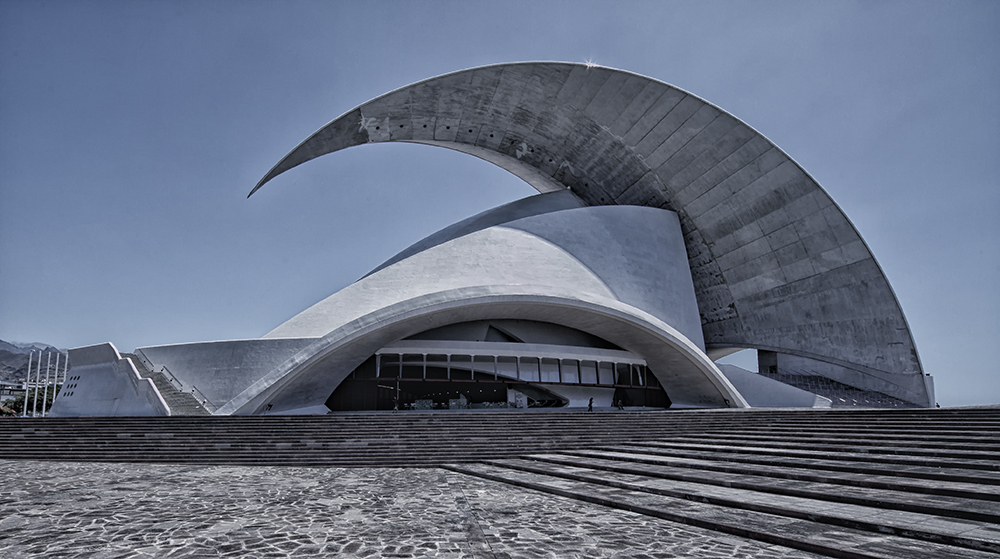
x: 441, y: 382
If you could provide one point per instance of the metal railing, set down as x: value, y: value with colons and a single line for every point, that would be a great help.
x: 176, y: 383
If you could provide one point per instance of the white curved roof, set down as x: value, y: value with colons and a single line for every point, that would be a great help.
x: 587, y: 268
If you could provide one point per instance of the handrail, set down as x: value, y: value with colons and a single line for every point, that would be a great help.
x: 174, y: 381
x: 145, y: 362
x: 198, y: 395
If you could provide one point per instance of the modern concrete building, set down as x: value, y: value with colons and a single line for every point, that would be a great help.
x: 667, y: 234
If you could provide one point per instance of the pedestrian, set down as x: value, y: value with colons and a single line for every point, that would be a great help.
x: 590, y: 406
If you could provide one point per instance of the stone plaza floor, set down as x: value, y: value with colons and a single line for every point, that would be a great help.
x: 66, y: 509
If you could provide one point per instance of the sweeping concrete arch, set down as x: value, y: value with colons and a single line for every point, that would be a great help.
x: 776, y: 264
x: 306, y: 379
x: 546, y: 259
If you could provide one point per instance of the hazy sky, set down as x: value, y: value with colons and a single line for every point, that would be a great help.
x: 131, y: 133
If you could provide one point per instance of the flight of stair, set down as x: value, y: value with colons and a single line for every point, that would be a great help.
x: 838, y: 483
x: 180, y: 403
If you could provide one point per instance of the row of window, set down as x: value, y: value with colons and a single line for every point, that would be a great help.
x: 527, y: 369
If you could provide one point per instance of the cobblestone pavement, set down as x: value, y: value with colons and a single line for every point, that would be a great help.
x: 64, y: 509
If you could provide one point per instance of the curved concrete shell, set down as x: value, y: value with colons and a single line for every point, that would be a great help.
x: 545, y: 258
x: 776, y: 265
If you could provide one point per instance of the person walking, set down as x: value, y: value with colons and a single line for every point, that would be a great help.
x: 590, y: 406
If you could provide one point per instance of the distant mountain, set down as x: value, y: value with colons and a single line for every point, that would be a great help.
x: 14, y: 360
x: 15, y: 347
x: 10, y: 348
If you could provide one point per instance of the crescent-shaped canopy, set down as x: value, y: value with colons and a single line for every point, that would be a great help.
x: 776, y: 264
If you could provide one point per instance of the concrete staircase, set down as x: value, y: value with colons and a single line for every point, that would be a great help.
x: 838, y: 483
x: 180, y: 403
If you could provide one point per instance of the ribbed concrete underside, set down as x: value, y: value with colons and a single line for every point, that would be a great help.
x: 838, y: 483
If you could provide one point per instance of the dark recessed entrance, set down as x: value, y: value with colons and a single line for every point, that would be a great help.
x: 412, y: 384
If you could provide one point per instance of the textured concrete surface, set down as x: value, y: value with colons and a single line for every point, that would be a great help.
x: 101, y: 382
x: 776, y: 264
x: 63, y: 509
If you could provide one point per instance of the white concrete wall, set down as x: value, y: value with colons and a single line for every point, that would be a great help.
x: 221, y: 370
x: 494, y: 256
x: 637, y: 252
x: 102, y: 383
x: 563, y: 199
x: 632, y: 254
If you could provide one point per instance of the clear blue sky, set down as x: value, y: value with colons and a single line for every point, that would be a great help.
x: 131, y: 133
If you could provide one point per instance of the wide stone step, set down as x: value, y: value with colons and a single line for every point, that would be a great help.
x: 565, y: 418
x: 869, y: 466
x: 897, y: 452
x: 694, y: 422
x: 922, y: 526
x: 757, y: 480
x: 991, y: 464
x: 908, y: 431
x: 387, y: 460
x: 815, y: 459
x: 430, y: 439
x: 451, y: 435
x: 886, y: 444
x: 788, y: 521
x: 930, y: 481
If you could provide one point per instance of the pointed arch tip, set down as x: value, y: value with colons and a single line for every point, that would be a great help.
x: 259, y: 184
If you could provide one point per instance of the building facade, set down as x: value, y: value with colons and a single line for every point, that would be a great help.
x: 667, y: 234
